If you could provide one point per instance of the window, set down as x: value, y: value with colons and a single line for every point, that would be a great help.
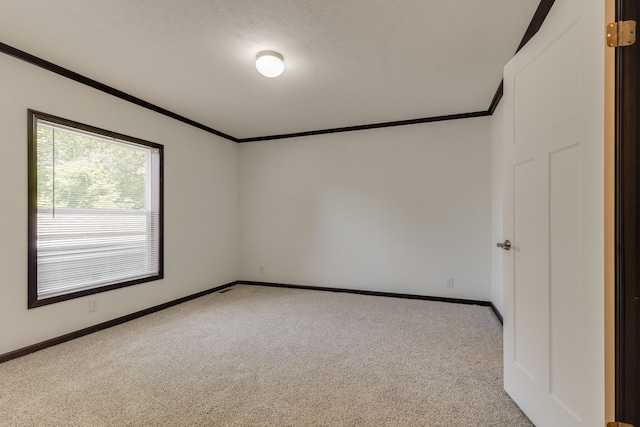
x: 95, y: 210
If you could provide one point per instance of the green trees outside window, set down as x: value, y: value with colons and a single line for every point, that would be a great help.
x: 95, y: 210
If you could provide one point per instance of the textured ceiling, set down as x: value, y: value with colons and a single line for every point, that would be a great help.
x: 348, y: 62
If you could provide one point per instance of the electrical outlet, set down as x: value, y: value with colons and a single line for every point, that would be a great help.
x: 93, y: 305
x: 449, y: 282
x: 261, y: 269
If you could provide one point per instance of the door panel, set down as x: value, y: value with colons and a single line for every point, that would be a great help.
x: 564, y: 277
x: 524, y: 269
x: 553, y: 214
x: 539, y: 82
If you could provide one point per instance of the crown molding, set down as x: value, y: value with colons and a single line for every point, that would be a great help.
x: 369, y: 126
x: 65, y: 72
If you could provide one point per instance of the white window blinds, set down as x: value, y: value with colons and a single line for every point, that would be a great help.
x: 98, y: 210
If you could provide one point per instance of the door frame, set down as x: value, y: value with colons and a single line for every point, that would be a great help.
x: 627, y: 225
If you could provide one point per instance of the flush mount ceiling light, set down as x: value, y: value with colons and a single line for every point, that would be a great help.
x: 269, y: 63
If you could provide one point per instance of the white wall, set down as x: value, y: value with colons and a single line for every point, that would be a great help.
x: 201, y: 204
x: 393, y: 210
x: 497, y: 137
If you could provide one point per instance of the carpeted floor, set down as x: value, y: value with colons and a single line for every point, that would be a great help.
x: 257, y: 356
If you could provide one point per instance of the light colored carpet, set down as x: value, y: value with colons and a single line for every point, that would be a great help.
x: 257, y: 356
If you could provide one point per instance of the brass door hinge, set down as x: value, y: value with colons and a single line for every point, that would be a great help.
x: 618, y: 424
x: 621, y: 33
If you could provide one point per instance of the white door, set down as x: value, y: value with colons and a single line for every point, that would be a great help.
x: 553, y: 216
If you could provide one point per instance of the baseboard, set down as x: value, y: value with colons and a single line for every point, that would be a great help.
x: 497, y: 313
x: 95, y: 328
x: 372, y: 293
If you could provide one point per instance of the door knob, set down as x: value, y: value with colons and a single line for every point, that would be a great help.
x: 506, y: 245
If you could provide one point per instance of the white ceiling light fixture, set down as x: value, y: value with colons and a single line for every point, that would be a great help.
x: 269, y: 63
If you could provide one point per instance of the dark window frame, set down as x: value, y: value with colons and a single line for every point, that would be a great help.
x: 33, y: 301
